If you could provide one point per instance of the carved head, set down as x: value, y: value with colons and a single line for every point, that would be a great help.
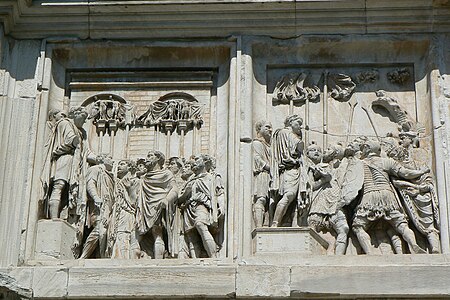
x: 175, y: 165
x: 140, y: 166
x: 264, y: 130
x: 106, y: 160
x: 314, y: 152
x: 295, y: 122
x: 123, y: 167
x: 371, y: 147
x: 409, y: 139
x: 334, y: 152
x: 154, y: 158
x: 199, y: 164
x: 79, y: 115
x: 210, y: 162
x: 54, y: 115
x: 186, y: 171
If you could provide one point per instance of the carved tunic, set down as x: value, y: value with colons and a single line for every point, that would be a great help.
x: 123, y: 227
x: 261, y: 159
x: 379, y: 199
x: 287, y: 177
x: 102, y: 181
x: 199, y: 195
x: 154, y: 188
x: 324, y: 199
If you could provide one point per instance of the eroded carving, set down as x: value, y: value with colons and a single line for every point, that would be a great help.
x: 350, y: 186
x: 292, y: 88
x: 399, y: 76
x: 367, y: 76
x: 172, y: 112
x: 340, y: 86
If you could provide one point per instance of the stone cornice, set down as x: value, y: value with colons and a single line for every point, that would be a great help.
x: 124, y: 19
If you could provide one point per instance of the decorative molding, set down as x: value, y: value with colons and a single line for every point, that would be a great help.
x: 195, y: 18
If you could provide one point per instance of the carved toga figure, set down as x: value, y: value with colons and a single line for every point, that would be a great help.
x: 288, y: 173
x: 157, y: 190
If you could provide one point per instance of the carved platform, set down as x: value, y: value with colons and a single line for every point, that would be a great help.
x: 299, y: 240
x: 54, y: 240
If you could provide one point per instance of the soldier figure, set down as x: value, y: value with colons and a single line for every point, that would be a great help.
x: 379, y: 199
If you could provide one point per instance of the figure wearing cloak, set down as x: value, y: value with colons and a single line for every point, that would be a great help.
x: 100, y: 190
x: 198, y: 195
x: 157, y: 191
x: 65, y: 165
x: 287, y: 168
x: 418, y: 194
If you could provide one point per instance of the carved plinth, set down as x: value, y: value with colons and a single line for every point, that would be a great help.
x: 298, y: 240
x: 54, y: 240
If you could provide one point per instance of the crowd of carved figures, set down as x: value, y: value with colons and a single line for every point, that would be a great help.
x: 346, y: 188
x: 152, y: 207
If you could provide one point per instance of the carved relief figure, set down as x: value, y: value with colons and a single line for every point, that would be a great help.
x: 287, y: 169
x: 379, y: 199
x: 157, y: 190
x: 218, y: 201
x: 418, y: 195
x: 197, y: 196
x: 122, y: 229
x: 66, y: 154
x: 325, y: 212
x: 261, y: 171
x: 100, y: 201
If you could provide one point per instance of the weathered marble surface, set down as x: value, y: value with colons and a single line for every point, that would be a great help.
x: 240, y: 62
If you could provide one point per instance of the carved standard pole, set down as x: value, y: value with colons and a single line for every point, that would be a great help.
x: 100, y: 144
x: 307, y: 122
x: 127, y: 138
x: 325, y: 109
x: 112, y: 134
x: 168, y: 135
x: 352, y: 104
x: 156, y: 136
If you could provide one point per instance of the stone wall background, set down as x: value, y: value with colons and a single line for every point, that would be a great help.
x: 31, y: 81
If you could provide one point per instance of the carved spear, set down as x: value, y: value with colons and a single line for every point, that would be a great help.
x: 365, y: 108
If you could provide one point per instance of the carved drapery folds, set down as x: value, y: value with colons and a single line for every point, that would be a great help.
x: 152, y: 206
x: 173, y: 112
x: 109, y: 112
x: 292, y: 88
x: 371, y: 189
